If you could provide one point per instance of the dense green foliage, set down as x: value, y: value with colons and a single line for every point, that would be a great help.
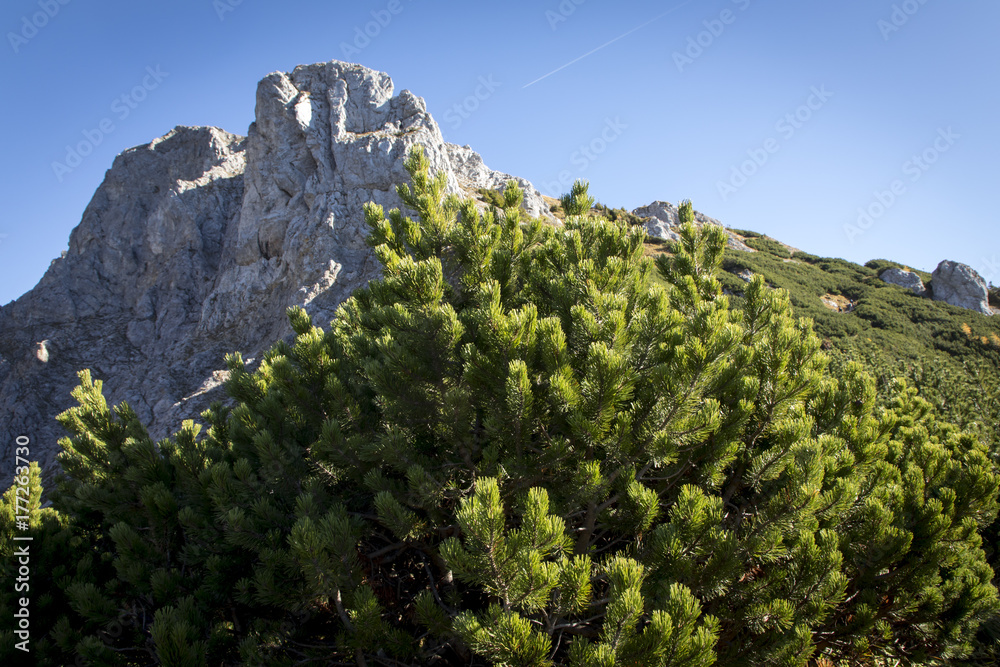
x: 577, y: 201
x: 685, y: 213
x: 950, y: 354
x: 491, y: 197
x: 516, y: 449
x: 769, y: 245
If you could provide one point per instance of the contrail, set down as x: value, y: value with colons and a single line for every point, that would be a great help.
x: 622, y: 36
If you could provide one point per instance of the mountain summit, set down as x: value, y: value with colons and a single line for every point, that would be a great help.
x: 196, y: 244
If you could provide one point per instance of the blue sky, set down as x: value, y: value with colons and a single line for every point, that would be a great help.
x: 859, y: 129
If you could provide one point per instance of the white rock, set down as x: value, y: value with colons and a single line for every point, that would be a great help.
x: 960, y: 285
x: 906, y: 279
x: 658, y: 229
x: 665, y: 212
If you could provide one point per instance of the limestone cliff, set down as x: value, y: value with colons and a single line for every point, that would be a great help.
x: 196, y: 243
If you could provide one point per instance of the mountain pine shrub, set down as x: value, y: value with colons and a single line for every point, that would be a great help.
x: 685, y: 214
x: 513, y: 449
x: 577, y: 201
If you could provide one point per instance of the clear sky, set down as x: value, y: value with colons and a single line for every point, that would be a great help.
x: 791, y: 118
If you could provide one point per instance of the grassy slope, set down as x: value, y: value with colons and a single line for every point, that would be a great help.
x: 890, y: 317
x: 951, y: 354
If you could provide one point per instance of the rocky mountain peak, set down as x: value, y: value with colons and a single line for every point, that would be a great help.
x: 196, y: 244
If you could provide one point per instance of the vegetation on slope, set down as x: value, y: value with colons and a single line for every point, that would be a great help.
x: 950, y: 355
x: 894, y: 332
x: 513, y: 449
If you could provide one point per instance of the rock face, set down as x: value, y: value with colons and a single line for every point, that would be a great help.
x: 960, y: 285
x: 662, y: 219
x: 658, y: 229
x: 196, y: 244
x: 906, y: 279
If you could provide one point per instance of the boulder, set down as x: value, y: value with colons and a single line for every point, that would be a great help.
x: 960, y: 285
x: 906, y: 279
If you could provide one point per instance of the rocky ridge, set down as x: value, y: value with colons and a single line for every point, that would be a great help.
x: 661, y: 219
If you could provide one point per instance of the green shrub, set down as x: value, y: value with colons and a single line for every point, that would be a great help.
x: 880, y: 265
x: 491, y: 197
x: 746, y: 233
x: 806, y: 257
x: 512, y: 449
x: 577, y: 201
x: 685, y: 212
x: 769, y: 245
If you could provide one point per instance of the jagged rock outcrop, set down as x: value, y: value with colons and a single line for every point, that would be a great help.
x: 906, y: 279
x: 960, y: 285
x: 661, y: 219
x: 658, y: 229
x: 196, y: 244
